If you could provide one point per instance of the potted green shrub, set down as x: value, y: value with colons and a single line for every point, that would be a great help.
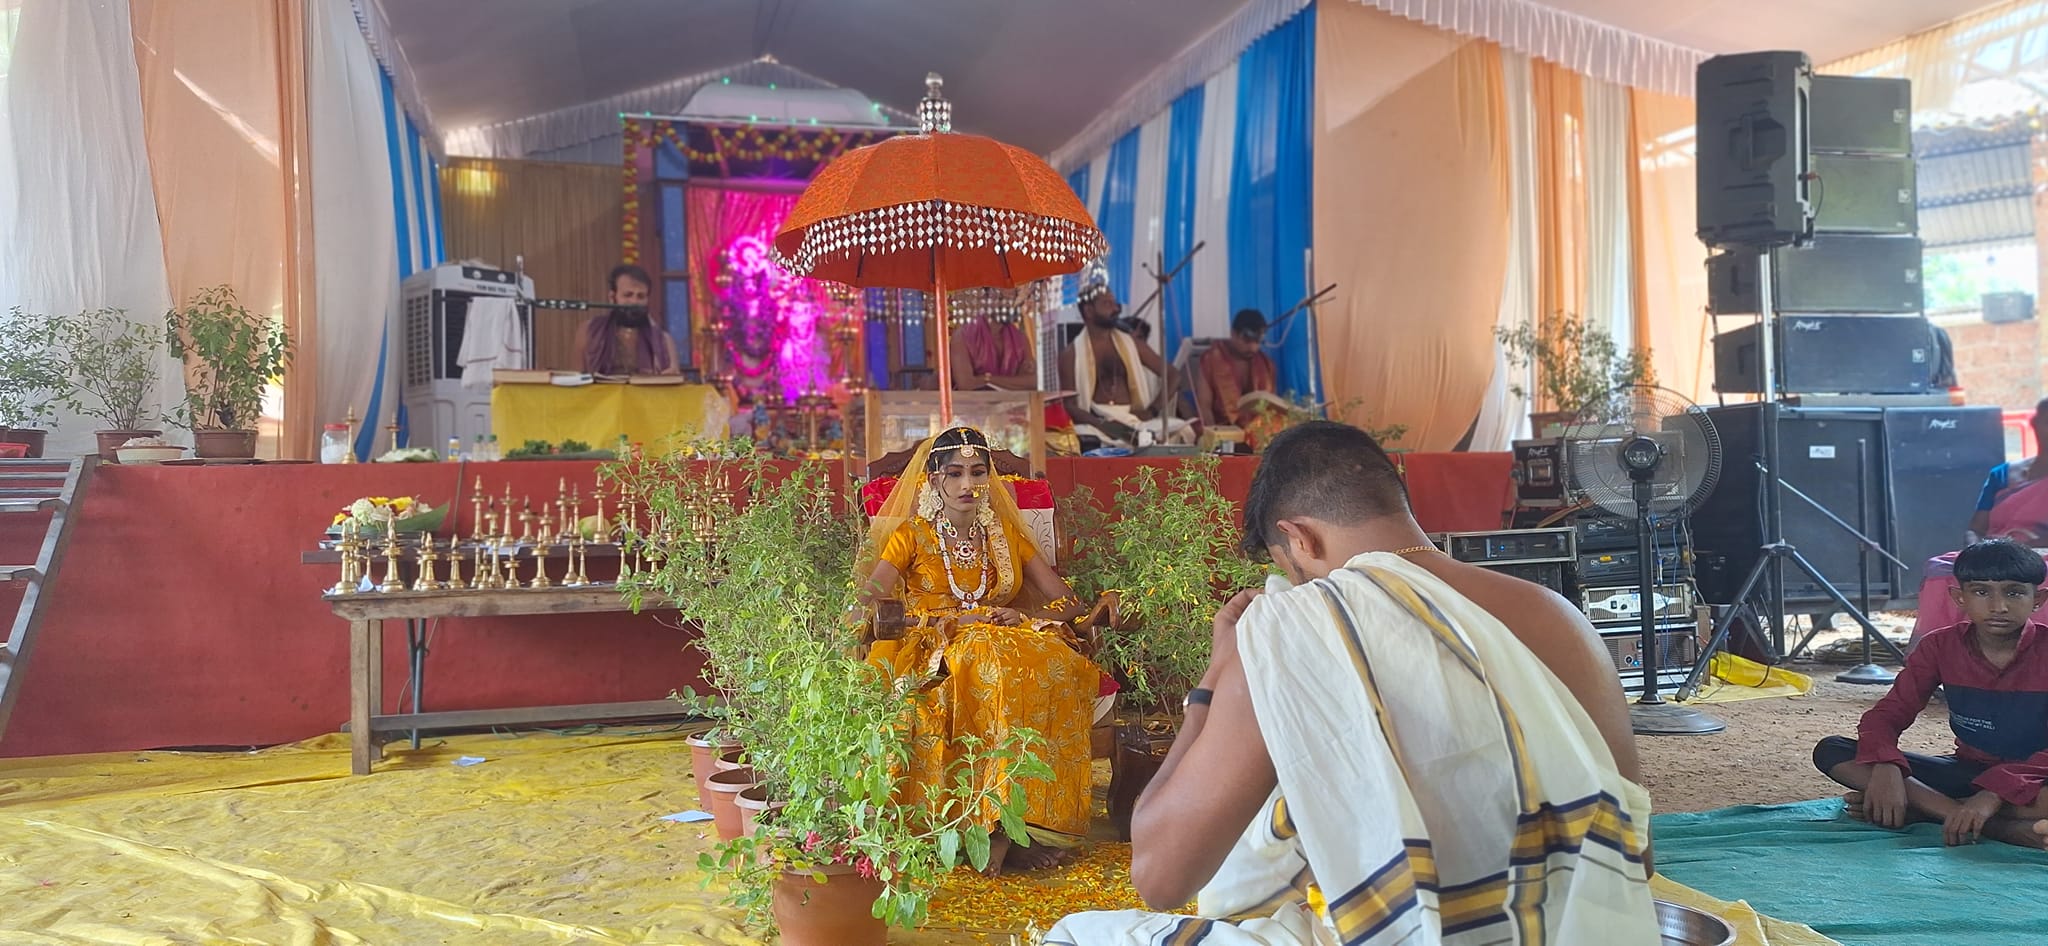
x: 232, y: 355
x: 110, y: 366
x: 32, y: 382
x: 1579, y: 369
x: 759, y: 555
x: 1169, y: 550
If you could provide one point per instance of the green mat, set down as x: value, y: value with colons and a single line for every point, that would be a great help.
x: 1861, y: 885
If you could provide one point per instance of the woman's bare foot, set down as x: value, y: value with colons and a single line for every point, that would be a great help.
x: 1003, y: 855
x: 1852, y: 805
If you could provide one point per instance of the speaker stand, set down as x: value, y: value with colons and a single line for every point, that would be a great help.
x: 1867, y: 675
x: 1671, y: 719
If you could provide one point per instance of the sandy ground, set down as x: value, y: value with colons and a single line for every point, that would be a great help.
x: 1764, y: 757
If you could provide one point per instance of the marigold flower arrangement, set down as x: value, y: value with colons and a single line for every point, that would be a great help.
x: 372, y: 512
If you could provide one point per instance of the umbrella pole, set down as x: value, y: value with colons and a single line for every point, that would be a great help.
x: 945, y: 351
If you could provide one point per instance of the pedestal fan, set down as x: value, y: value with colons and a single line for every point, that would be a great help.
x: 1647, y: 452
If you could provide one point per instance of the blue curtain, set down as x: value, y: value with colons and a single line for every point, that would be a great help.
x: 1117, y: 217
x: 1269, y: 190
x: 416, y: 213
x: 1183, y: 150
x: 1071, y: 285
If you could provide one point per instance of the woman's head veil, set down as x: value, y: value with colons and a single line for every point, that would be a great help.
x: 901, y: 506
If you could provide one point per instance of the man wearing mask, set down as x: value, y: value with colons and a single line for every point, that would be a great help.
x: 624, y: 341
x: 1116, y: 379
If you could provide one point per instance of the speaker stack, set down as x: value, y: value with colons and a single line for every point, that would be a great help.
x: 1808, y: 201
x: 1807, y: 182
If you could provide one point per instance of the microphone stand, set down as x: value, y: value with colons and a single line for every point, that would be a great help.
x: 1308, y: 305
x: 1166, y: 408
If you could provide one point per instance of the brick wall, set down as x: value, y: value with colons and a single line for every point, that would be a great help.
x: 1998, y: 364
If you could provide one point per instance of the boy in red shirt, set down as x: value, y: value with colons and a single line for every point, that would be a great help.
x: 1993, y: 670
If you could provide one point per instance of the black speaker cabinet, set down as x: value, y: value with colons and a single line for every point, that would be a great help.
x: 2003, y: 307
x: 1817, y: 455
x: 1753, y: 148
x: 1860, y: 115
x: 1835, y: 273
x: 1831, y: 354
x: 1865, y: 193
x: 1938, y: 457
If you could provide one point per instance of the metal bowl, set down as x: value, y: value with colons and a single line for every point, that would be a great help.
x: 1685, y: 926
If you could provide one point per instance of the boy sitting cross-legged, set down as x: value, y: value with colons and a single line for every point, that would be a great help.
x: 1993, y: 670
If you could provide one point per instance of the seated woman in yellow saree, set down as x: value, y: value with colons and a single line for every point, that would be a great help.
x: 987, y: 618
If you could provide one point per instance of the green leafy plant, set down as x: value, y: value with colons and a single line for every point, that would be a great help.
x: 1579, y: 369
x: 759, y: 555
x: 235, y: 354
x: 1172, y: 556
x: 32, y: 382
x: 110, y: 365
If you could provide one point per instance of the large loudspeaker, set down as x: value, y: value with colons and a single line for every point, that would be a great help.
x: 1753, y: 148
x: 1831, y: 354
x: 1859, y: 115
x: 1834, y: 273
x: 1938, y: 458
x: 1858, y: 193
x: 1817, y: 455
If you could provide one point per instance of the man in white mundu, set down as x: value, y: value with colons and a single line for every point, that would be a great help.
x: 1417, y: 771
x: 1115, y: 377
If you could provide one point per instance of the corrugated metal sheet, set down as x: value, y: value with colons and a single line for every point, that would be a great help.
x: 1975, y: 186
x: 1975, y: 222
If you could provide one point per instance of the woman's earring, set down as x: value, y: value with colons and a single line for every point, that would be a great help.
x: 928, y: 503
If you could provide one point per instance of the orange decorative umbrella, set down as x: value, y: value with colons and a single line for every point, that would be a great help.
x: 938, y: 211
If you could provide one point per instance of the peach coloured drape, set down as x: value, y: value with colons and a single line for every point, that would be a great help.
x: 564, y: 218
x: 1670, y: 263
x: 220, y: 83
x: 1559, y: 113
x: 1411, y: 199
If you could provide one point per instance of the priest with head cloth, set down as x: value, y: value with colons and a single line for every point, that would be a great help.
x: 625, y: 340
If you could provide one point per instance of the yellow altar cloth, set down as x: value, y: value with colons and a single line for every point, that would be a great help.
x: 598, y: 413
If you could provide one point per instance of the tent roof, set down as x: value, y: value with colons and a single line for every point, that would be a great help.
x: 1031, y: 73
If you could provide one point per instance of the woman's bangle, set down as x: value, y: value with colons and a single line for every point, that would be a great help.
x: 1198, y: 696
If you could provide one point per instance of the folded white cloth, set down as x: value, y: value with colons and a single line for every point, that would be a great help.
x: 491, y: 339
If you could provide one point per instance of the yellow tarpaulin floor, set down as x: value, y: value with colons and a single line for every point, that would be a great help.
x: 550, y: 839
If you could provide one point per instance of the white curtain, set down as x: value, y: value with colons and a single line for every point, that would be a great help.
x: 1585, y: 46
x: 77, y: 207
x: 1148, y: 220
x: 1503, y: 416
x: 1211, y: 281
x: 353, y: 223
x: 1610, y: 146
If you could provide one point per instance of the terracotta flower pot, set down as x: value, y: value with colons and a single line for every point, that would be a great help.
x: 26, y: 436
x: 225, y: 444
x: 725, y: 789
x: 1539, y: 421
x: 834, y: 913
x: 111, y: 441
x: 754, y: 805
x: 733, y: 758
x: 1137, y: 759
x: 703, y: 754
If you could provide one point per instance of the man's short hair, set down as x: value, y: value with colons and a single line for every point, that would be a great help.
x: 627, y: 269
x: 1248, y: 320
x: 1333, y: 472
x: 2000, y: 560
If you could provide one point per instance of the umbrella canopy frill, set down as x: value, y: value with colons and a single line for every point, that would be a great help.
x: 924, y: 211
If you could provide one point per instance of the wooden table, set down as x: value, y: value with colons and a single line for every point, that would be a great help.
x: 366, y: 613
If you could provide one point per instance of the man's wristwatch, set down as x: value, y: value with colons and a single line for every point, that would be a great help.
x: 1197, y: 695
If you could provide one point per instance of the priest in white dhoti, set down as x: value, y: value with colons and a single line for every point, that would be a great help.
x: 1374, y: 757
x: 1117, y: 380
